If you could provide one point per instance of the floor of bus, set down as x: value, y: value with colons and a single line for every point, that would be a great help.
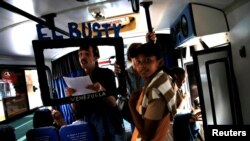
x: 25, y: 123
x: 21, y: 126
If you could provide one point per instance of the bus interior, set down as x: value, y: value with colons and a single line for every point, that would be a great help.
x: 209, y: 39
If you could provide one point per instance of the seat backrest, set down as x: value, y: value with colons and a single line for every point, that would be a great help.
x: 76, y: 132
x: 49, y: 133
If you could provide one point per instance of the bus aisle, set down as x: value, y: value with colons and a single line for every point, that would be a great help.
x: 21, y: 126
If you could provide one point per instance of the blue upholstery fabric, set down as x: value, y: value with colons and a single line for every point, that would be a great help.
x: 78, y: 132
x: 49, y: 133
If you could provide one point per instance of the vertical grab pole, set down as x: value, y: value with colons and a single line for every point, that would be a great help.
x: 146, y: 7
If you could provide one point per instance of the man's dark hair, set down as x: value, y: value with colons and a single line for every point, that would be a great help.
x: 177, y: 71
x: 42, y: 118
x: 87, y: 46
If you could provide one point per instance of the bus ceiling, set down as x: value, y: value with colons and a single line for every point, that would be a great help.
x: 20, y: 17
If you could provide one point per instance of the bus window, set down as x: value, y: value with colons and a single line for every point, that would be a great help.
x: 33, y: 89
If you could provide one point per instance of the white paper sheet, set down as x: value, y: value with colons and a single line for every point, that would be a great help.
x: 79, y: 84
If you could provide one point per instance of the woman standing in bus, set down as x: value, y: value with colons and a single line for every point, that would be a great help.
x: 153, y: 108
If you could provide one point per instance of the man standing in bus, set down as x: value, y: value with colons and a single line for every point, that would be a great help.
x: 102, y: 113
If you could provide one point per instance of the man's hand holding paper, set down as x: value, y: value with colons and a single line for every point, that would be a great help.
x: 79, y: 85
x: 96, y: 87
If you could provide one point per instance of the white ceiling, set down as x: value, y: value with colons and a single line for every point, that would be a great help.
x: 17, y: 32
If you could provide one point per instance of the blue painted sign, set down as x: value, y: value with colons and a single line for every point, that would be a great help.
x: 94, y: 30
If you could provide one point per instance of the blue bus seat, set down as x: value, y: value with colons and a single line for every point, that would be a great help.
x: 76, y: 132
x: 48, y: 133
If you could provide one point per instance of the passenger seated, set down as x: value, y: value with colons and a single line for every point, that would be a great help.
x: 184, y: 126
x: 45, y: 117
x: 7, y: 133
x: 42, y: 117
x: 79, y: 119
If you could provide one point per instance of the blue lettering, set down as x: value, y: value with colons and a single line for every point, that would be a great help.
x: 106, y: 26
x: 96, y: 27
x: 84, y: 31
x: 75, y: 33
x: 56, y: 36
x: 73, y: 30
x: 40, y: 35
x: 117, y: 29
